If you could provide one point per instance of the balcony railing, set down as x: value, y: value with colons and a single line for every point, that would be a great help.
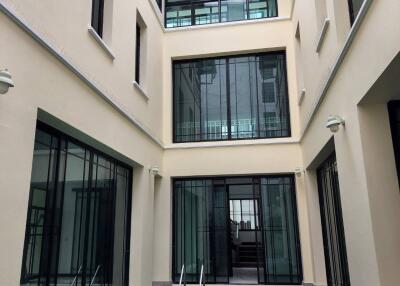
x: 218, y: 129
x: 189, y: 13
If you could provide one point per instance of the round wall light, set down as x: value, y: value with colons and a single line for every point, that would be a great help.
x: 334, y: 122
x: 5, y: 81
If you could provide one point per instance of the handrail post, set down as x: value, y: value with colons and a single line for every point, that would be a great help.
x: 182, y: 275
x: 201, y: 275
x: 94, y: 276
x: 76, y: 276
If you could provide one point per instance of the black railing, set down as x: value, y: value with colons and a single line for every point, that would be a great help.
x: 194, y: 12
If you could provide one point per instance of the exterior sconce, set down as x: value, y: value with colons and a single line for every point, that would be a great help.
x: 298, y: 172
x: 155, y: 170
x: 5, y: 81
x: 334, y: 122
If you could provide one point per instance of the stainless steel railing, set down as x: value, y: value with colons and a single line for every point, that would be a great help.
x: 201, y: 281
x: 183, y: 276
x: 94, y: 276
x: 76, y: 276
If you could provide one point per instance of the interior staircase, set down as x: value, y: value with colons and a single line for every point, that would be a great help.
x: 247, y: 255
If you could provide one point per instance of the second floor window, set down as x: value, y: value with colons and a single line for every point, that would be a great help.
x: 179, y: 13
x: 229, y: 98
x: 98, y: 16
x: 137, y: 54
x: 354, y: 8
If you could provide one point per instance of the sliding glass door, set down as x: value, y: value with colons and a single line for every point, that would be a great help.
x: 78, y: 224
x: 242, y: 230
x: 337, y: 271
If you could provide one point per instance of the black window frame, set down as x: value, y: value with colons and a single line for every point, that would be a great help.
x: 98, y: 19
x: 137, y: 53
x: 159, y: 4
x: 352, y: 13
x: 229, y: 115
x: 394, y: 112
x: 193, y: 3
x: 47, y: 276
x: 219, y: 181
x: 334, y: 242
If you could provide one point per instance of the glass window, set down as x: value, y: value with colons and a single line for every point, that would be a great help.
x: 210, y: 221
x: 137, y: 54
x: 78, y: 223
x: 354, y: 8
x: 97, y: 16
x: 240, y: 97
x: 181, y: 13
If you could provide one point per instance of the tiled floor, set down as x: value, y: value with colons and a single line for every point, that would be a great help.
x: 244, y: 276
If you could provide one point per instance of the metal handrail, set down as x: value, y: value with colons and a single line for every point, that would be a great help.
x: 76, y: 276
x: 94, y: 276
x: 201, y: 282
x: 183, y: 276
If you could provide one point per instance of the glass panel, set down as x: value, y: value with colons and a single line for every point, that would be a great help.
x: 178, y: 16
x: 200, y: 231
x: 72, y: 234
x: 282, y: 255
x: 243, y: 97
x: 355, y: 6
x: 337, y: 271
x: 200, y: 101
x: 233, y: 10
x: 70, y: 225
x: 257, y: 9
x: 38, y: 237
x: 255, y: 87
x: 202, y: 237
x: 206, y: 13
x: 184, y: 13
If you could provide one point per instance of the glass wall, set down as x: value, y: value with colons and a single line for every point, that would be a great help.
x: 281, y: 249
x: 337, y: 270
x: 238, y: 97
x: 206, y: 216
x: 180, y: 13
x: 354, y: 9
x: 78, y: 224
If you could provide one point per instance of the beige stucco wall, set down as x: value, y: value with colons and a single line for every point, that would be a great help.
x: 369, y: 187
x: 43, y: 82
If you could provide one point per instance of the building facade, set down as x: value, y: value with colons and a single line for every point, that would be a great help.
x: 153, y: 142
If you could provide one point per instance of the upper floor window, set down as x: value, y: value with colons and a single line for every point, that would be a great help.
x: 229, y: 98
x: 354, y: 8
x: 159, y: 4
x: 137, y: 54
x: 179, y: 13
x: 98, y: 16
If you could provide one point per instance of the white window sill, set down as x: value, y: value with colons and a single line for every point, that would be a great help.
x: 225, y: 24
x: 232, y: 143
x: 301, y: 96
x: 101, y: 43
x: 322, y: 35
x: 141, y: 90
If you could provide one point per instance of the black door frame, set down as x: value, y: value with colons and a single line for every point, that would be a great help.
x: 254, y: 184
x: 299, y: 268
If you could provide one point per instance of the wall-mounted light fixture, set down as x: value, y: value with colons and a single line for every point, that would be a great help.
x: 5, y: 81
x: 334, y: 122
x: 155, y: 170
x: 298, y: 172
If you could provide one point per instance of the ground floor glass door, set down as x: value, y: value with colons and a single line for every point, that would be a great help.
x: 78, y: 222
x: 243, y: 230
x: 337, y: 271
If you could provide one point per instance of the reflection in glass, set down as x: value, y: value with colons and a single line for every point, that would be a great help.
x: 181, y: 13
x: 74, y: 234
x: 204, y: 214
x: 231, y: 98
